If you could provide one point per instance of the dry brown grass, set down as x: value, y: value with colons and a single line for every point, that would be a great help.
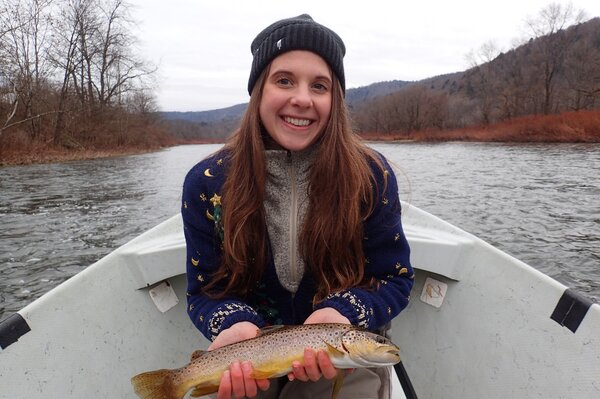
x: 60, y: 154
x: 568, y: 127
x: 18, y: 148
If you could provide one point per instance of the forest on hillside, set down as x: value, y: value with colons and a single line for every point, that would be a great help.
x: 70, y: 78
x: 556, y: 70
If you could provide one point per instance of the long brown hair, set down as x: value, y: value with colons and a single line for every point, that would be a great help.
x: 340, y: 196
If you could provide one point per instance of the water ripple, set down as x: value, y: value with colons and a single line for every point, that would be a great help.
x: 536, y: 202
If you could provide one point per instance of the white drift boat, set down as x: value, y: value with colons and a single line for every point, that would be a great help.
x: 480, y: 324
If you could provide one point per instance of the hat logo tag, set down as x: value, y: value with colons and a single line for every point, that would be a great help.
x: 279, y: 44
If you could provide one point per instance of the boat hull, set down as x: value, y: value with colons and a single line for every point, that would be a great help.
x: 480, y: 323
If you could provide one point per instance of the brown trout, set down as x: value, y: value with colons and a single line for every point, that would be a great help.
x: 271, y: 352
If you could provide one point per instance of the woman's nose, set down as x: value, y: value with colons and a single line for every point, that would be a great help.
x: 302, y: 97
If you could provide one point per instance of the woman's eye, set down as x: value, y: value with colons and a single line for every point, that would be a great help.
x: 320, y: 87
x: 284, y: 81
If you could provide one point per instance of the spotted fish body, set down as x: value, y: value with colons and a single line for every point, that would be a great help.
x: 272, y: 353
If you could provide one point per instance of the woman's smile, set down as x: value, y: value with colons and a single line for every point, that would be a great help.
x: 297, y: 121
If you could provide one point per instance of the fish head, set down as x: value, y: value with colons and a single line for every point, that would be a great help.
x: 370, y: 350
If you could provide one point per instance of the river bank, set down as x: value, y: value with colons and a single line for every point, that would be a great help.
x: 568, y: 127
x: 57, y: 154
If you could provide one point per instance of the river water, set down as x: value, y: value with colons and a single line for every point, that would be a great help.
x: 539, y: 203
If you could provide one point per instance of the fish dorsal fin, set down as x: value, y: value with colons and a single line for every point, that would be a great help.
x: 197, y: 354
x: 269, y: 329
x: 333, y: 351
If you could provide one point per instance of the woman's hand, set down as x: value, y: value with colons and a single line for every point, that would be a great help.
x: 236, y: 333
x: 237, y: 381
x: 326, y: 315
x: 317, y: 364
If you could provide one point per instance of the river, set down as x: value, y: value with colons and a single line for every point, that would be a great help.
x: 540, y: 203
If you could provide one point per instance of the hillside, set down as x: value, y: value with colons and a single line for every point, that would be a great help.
x: 362, y: 94
x: 205, y: 117
x: 551, y: 74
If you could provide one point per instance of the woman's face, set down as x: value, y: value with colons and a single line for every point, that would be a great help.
x: 296, y: 99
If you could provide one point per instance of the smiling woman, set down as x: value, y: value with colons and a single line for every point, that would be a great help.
x: 303, y: 222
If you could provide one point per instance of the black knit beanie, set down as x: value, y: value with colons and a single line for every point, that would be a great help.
x: 298, y: 33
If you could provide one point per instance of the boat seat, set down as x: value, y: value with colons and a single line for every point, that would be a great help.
x: 160, y: 253
x: 156, y: 255
x: 438, y: 251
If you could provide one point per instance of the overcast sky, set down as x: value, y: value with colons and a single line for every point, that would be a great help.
x: 202, y: 48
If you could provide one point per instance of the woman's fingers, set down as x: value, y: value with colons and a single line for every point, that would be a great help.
x: 237, y: 380
x: 310, y: 365
x: 325, y: 365
x: 249, y: 382
x: 263, y: 385
x: 316, y: 365
x: 225, y: 386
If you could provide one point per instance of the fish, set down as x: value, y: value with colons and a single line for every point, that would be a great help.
x: 272, y: 353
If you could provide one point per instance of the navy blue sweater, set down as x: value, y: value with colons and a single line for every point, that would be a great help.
x: 385, y: 247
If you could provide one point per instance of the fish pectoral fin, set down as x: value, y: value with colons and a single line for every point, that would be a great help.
x: 337, y: 383
x: 333, y: 351
x: 201, y: 390
x: 196, y: 354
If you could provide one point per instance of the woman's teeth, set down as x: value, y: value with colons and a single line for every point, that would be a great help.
x: 297, y: 122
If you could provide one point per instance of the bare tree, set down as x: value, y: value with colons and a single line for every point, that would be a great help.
x: 94, y: 51
x: 70, y: 76
x: 582, y: 74
x: 142, y: 102
x: 551, y: 45
x: 483, y: 74
x: 63, y: 55
x: 23, y: 47
x: 413, y: 108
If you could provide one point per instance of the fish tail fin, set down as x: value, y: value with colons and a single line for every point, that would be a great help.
x: 156, y: 385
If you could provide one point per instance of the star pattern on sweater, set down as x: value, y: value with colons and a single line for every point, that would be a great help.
x: 216, y: 200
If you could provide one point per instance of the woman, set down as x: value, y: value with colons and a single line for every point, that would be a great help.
x: 294, y: 220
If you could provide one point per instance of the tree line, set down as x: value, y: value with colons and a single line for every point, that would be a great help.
x: 556, y: 70
x: 70, y: 76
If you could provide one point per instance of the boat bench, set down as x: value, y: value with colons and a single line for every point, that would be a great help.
x: 157, y: 257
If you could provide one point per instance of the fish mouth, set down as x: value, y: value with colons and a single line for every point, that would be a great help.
x: 392, y: 353
x: 385, y: 355
x: 380, y: 357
